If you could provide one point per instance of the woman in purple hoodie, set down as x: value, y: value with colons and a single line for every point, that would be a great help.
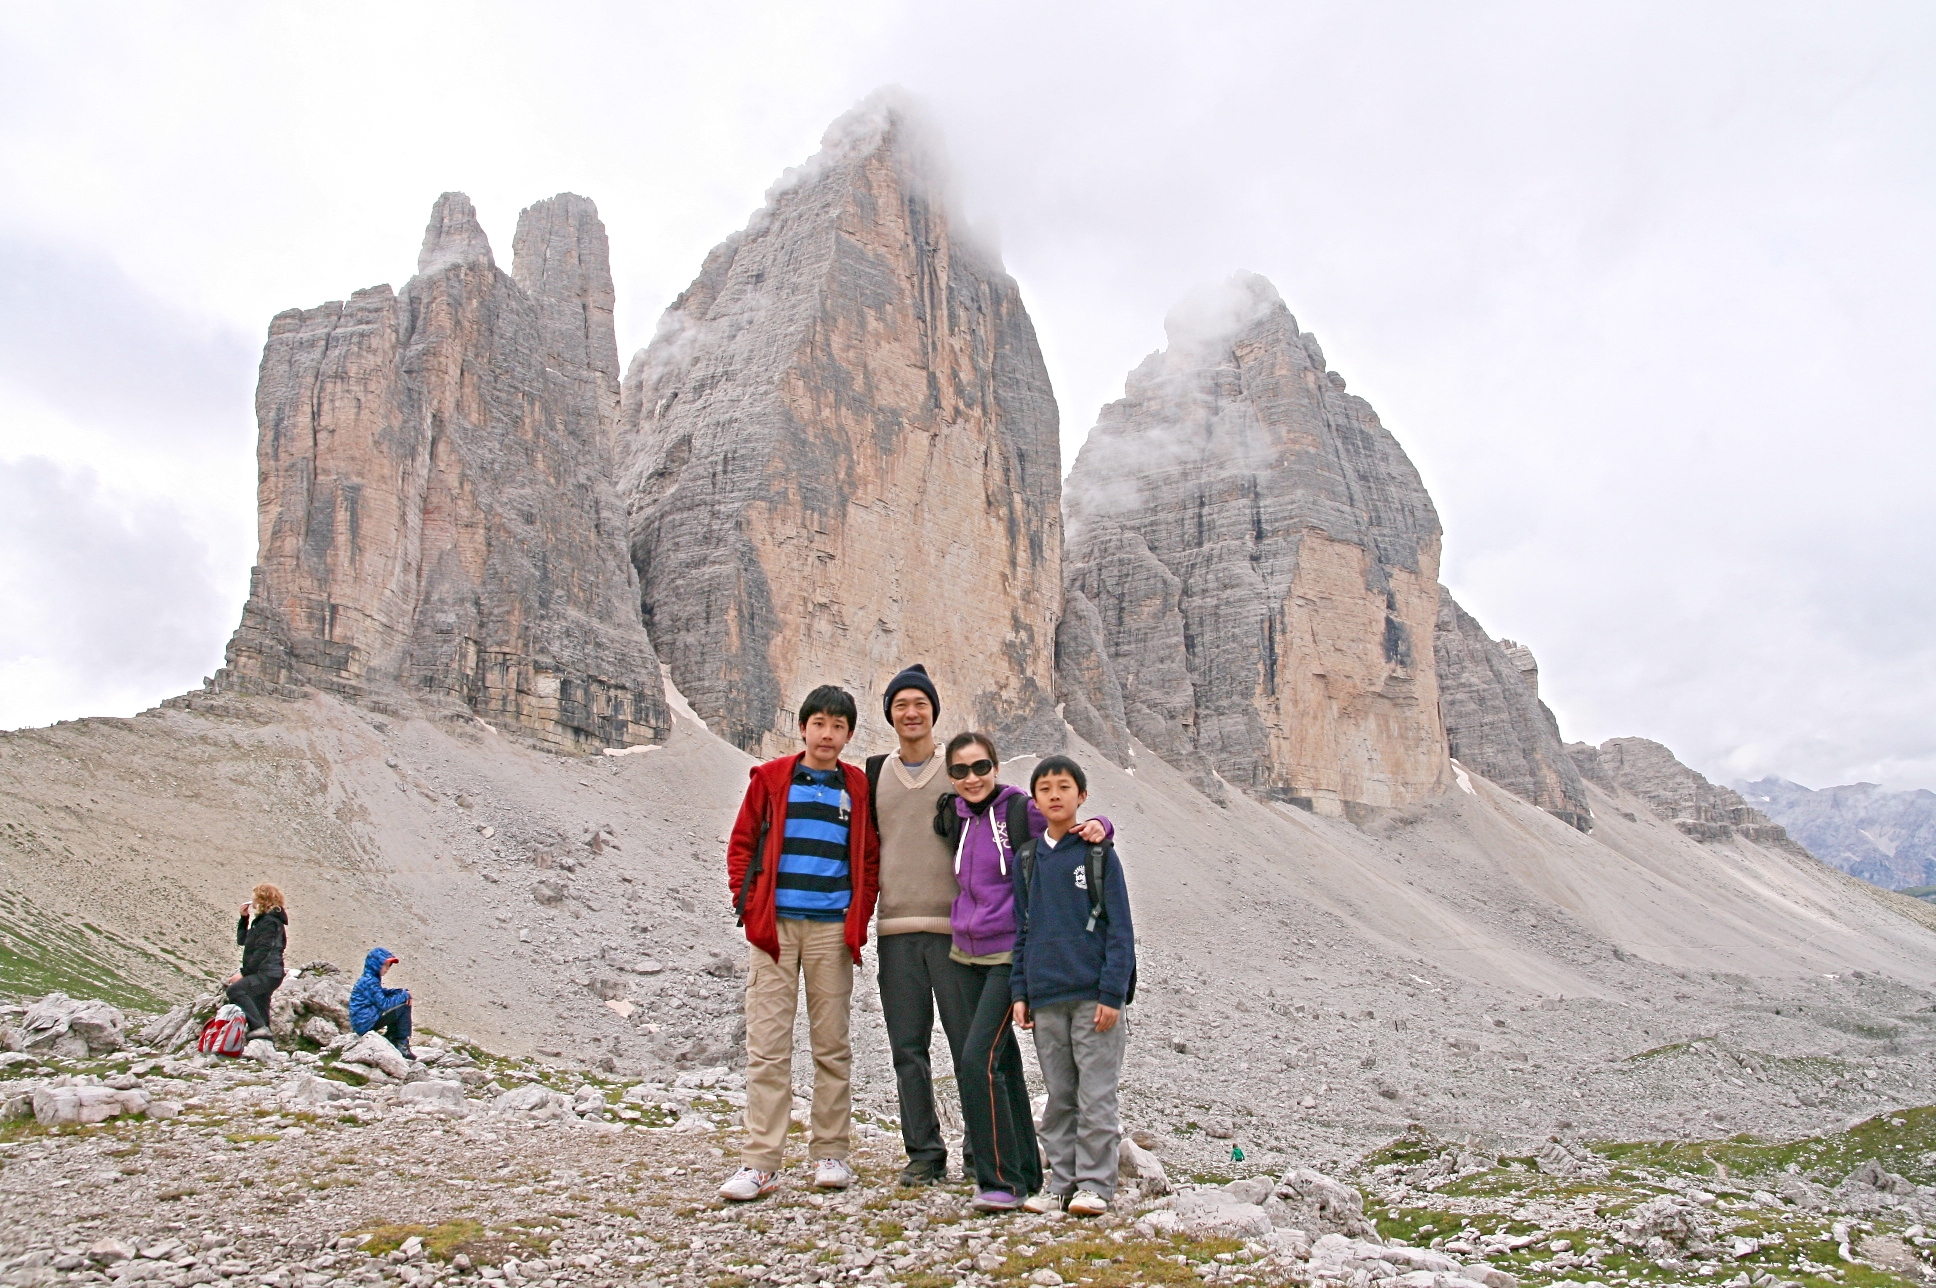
x: 987, y: 821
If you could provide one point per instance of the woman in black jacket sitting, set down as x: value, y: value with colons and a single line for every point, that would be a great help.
x: 261, y: 940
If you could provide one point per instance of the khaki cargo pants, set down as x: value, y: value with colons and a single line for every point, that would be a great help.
x: 815, y: 951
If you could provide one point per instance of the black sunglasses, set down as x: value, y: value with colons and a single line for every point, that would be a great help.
x: 980, y: 769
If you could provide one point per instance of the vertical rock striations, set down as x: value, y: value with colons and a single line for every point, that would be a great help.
x: 1263, y: 561
x: 840, y: 455
x: 436, y: 511
x: 1495, y: 723
x: 1703, y: 810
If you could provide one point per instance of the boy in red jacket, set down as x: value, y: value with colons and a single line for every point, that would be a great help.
x: 804, y: 866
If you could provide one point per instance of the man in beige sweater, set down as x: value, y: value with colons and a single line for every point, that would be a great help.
x: 917, y: 889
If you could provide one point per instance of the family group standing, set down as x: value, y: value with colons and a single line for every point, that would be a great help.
x: 998, y: 910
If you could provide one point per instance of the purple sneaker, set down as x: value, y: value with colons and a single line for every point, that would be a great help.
x: 996, y: 1201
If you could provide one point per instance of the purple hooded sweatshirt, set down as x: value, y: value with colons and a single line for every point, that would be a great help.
x: 983, y: 916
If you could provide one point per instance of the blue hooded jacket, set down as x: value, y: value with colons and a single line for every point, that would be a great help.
x: 369, y: 999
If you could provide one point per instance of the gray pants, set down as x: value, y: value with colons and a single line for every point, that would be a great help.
x: 1081, y: 1067
x: 917, y: 979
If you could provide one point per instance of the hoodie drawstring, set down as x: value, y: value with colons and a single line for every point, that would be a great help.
x: 1000, y: 833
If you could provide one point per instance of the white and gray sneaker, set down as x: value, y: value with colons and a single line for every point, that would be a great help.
x: 1087, y: 1203
x: 1043, y: 1202
x: 748, y: 1184
x: 833, y: 1174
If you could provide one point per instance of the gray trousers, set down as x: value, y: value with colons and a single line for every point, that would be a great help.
x: 1080, y: 1067
x: 917, y: 979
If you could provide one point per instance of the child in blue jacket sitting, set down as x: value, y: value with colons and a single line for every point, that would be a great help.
x: 372, y: 1006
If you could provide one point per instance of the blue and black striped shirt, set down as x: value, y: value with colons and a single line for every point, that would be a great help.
x: 813, y: 879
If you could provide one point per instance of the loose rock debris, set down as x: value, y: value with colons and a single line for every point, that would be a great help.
x: 307, y: 1169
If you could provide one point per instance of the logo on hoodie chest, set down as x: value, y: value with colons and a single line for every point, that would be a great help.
x: 1082, y: 877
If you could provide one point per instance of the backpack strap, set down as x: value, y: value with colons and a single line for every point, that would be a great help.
x: 1018, y: 823
x: 1092, y: 874
x: 753, y: 869
x: 947, y: 823
x: 1093, y: 864
x: 1025, y: 865
x: 874, y: 764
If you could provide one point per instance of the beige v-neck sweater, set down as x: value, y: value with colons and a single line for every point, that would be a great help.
x: 917, y: 867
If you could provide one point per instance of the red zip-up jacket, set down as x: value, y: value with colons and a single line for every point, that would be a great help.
x: 760, y: 831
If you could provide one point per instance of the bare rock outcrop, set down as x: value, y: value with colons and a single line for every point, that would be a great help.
x: 1703, y: 810
x: 1263, y: 560
x: 1495, y: 724
x: 1092, y: 699
x: 840, y: 454
x: 436, y: 509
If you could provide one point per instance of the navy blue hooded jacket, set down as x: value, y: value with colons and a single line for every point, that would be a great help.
x: 1057, y: 958
x: 369, y: 999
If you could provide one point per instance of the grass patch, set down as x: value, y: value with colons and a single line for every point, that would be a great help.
x: 1909, y: 1150
x: 42, y: 954
x: 485, y: 1247
x: 1106, y: 1263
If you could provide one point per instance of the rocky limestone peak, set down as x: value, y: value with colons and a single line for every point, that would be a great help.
x: 1495, y: 724
x: 1676, y: 793
x: 840, y: 454
x: 453, y: 235
x: 1523, y: 662
x: 437, y: 519
x: 1263, y: 562
x: 561, y: 257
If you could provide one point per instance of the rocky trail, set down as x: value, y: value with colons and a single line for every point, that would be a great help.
x: 302, y: 1168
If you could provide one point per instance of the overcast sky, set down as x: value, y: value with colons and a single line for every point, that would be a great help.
x: 1647, y: 291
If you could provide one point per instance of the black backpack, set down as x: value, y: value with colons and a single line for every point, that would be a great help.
x: 1092, y: 869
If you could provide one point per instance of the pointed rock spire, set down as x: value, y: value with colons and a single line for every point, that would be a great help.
x: 453, y: 235
x: 438, y: 520
x: 1262, y: 560
x: 840, y: 454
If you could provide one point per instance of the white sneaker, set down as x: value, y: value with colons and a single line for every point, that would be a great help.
x: 748, y: 1184
x: 1088, y: 1203
x: 833, y: 1174
x: 1042, y: 1203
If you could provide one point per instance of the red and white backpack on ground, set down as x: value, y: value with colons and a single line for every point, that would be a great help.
x: 226, y: 1034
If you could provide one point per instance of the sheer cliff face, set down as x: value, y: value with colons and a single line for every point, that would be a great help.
x: 1263, y: 562
x: 436, y: 509
x: 840, y: 456
x: 1495, y: 724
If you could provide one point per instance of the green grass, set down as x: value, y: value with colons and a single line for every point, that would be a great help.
x: 42, y: 954
x: 1105, y: 1263
x: 1909, y: 1150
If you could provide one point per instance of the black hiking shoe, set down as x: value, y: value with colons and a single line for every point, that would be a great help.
x: 924, y: 1174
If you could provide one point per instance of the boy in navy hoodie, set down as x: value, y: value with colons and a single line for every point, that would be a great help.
x: 1074, y: 970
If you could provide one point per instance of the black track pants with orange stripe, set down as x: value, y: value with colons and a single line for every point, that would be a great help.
x: 994, y: 1094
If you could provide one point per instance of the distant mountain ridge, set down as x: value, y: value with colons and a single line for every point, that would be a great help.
x: 1886, y: 838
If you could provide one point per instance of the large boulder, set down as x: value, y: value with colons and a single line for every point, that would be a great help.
x: 67, y: 1104
x: 374, y: 1051
x: 1314, y: 1202
x: 1215, y: 1211
x: 75, y: 1028
x: 1139, y: 1164
x: 435, y: 1092
x: 530, y: 1098
x: 321, y: 991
